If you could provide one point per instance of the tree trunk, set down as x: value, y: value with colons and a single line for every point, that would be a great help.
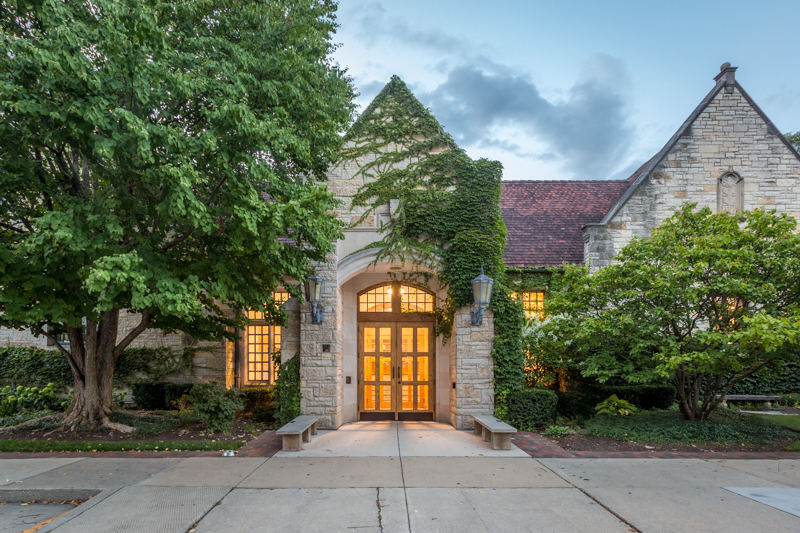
x: 92, y: 357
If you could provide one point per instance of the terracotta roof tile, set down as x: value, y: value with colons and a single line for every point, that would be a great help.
x: 544, y: 218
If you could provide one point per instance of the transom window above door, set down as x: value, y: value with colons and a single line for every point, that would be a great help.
x: 396, y: 297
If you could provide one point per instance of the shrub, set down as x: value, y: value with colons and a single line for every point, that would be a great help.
x: 257, y: 397
x: 529, y: 408
x: 264, y: 414
x: 149, y: 396
x: 577, y: 404
x: 614, y: 406
x: 556, y: 431
x: 14, y: 398
x: 791, y: 400
x: 216, y: 405
x: 644, y: 396
x: 174, y: 391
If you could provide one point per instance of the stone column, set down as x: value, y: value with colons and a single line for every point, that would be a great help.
x: 471, y: 368
x: 321, y: 358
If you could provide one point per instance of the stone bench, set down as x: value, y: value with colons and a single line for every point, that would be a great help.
x: 494, y: 430
x: 768, y: 399
x: 301, y: 427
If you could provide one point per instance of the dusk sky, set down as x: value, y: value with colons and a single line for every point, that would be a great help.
x: 571, y: 89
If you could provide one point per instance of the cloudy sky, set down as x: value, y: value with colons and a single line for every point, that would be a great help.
x: 571, y: 89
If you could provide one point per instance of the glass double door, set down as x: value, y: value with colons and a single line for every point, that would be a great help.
x: 395, y: 371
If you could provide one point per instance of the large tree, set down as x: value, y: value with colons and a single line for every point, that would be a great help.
x: 708, y: 300
x: 160, y: 158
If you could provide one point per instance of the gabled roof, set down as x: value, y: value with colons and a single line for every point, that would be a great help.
x: 724, y: 78
x: 424, y: 123
x: 544, y: 218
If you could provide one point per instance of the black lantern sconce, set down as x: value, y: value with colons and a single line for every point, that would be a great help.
x: 482, y: 293
x: 314, y: 286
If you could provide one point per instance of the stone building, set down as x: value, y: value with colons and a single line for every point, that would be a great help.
x: 369, y: 358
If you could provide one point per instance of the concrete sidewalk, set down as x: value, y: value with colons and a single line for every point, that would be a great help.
x: 401, y: 492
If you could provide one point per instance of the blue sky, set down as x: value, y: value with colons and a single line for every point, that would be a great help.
x: 571, y: 89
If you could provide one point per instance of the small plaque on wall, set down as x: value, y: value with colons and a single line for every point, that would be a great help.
x: 326, y: 347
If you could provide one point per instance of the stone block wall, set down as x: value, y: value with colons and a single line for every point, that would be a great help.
x: 471, y: 368
x: 728, y: 136
x: 321, y: 371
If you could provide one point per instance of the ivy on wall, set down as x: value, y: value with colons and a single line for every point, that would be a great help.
x: 446, y: 218
x: 36, y: 367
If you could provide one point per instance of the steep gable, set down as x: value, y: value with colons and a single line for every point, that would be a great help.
x: 727, y: 135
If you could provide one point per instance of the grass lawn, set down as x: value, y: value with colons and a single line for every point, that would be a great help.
x: 128, y: 446
x: 789, y: 421
x: 723, y: 427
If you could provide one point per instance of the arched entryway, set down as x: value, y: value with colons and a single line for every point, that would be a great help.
x: 396, y: 352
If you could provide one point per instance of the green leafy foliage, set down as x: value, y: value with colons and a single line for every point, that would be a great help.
x: 152, y: 363
x: 705, y: 302
x: 216, y: 405
x: 577, y: 404
x: 783, y: 377
x: 794, y: 138
x: 257, y: 397
x: 149, y: 396
x: 791, y: 400
x: 174, y: 391
x: 13, y: 399
x: 614, y: 406
x: 23, y: 416
x: 162, y: 158
x: 156, y: 423
x: 34, y: 367
x: 644, y: 396
x: 556, y: 431
x: 722, y: 426
x: 287, y: 389
x: 447, y: 217
x: 531, y: 408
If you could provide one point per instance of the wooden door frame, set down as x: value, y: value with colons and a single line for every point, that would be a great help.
x: 396, y: 365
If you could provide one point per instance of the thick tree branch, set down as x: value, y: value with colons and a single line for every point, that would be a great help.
x: 135, y: 332
x: 65, y: 353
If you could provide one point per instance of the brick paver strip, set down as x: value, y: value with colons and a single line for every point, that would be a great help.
x: 265, y: 445
x: 540, y: 447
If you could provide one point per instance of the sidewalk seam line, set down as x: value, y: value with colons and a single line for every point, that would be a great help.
x: 403, y: 477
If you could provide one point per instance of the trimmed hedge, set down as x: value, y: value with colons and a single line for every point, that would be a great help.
x: 173, y: 391
x: 784, y: 379
x: 578, y: 404
x: 529, y: 408
x: 149, y: 396
x: 257, y: 397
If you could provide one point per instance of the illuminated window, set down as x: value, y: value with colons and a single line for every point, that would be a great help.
x: 261, y: 342
x: 378, y: 300
x: 415, y: 300
x: 532, y: 302
x: 385, y: 299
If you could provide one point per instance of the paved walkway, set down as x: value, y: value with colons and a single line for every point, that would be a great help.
x: 400, y: 477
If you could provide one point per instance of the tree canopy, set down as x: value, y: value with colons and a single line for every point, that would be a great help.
x: 162, y: 158
x: 708, y: 300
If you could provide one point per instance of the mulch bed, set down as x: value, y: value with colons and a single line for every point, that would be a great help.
x: 587, y: 443
x: 187, y: 433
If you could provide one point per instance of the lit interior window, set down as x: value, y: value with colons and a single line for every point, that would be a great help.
x: 378, y: 300
x: 532, y: 302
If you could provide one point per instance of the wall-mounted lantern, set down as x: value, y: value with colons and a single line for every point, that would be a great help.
x: 314, y: 286
x: 482, y: 293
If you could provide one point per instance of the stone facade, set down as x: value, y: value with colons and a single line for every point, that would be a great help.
x: 727, y: 136
x: 471, y: 369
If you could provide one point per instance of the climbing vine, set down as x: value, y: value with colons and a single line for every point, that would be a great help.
x: 445, y: 214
